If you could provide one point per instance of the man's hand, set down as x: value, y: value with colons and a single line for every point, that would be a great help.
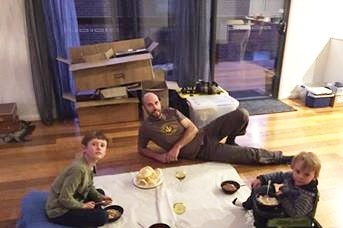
x: 173, y: 154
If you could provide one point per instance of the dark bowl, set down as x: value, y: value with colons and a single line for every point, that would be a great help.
x: 159, y: 225
x: 117, y: 208
x: 265, y: 206
x: 230, y: 182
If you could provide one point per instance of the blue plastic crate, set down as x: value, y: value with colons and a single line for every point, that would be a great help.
x: 317, y: 101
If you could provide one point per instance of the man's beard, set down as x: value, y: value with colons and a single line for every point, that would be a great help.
x: 156, y: 113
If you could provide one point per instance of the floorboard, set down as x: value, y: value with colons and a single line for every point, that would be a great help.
x: 33, y: 165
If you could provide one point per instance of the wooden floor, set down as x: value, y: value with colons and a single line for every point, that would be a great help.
x: 33, y: 165
x: 241, y: 75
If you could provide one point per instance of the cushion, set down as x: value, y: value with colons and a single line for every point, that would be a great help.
x: 33, y: 212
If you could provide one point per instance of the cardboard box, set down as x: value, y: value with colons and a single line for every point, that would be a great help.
x: 92, y: 68
x: 114, y: 92
x: 107, y: 111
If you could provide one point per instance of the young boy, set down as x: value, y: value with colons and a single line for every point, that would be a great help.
x: 295, y: 191
x: 73, y: 199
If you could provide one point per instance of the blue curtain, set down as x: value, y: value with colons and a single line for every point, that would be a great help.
x: 191, y: 36
x: 62, y: 33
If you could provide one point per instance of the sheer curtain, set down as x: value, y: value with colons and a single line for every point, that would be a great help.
x: 191, y: 36
x: 52, y: 29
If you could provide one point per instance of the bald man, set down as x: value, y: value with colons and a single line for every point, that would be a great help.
x: 181, y: 139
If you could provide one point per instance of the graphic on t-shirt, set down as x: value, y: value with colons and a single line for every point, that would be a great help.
x: 168, y: 129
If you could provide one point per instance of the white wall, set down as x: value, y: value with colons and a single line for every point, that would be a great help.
x: 15, y: 71
x: 333, y: 71
x: 312, y: 23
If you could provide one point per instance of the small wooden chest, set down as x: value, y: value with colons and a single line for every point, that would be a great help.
x: 9, y: 121
x: 8, y: 111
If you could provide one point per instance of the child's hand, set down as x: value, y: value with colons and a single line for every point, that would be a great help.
x: 89, y: 205
x: 256, y: 183
x: 277, y: 188
x: 106, y: 200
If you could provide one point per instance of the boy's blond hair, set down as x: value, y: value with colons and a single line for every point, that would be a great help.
x: 310, y: 161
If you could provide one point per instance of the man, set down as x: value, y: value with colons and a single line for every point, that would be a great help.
x: 181, y: 139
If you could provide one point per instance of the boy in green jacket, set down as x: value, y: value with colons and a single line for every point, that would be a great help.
x: 73, y: 199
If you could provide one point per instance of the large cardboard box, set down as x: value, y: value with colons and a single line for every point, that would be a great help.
x: 104, y: 66
x: 107, y: 111
x: 93, y: 69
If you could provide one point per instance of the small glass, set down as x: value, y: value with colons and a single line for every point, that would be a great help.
x: 180, y: 175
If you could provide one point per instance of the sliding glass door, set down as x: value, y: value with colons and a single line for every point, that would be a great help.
x: 248, y: 45
x: 237, y: 43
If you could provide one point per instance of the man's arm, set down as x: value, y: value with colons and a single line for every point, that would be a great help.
x: 188, y: 136
x: 161, y: 157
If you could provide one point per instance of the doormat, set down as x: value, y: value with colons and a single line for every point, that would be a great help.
x: 245, y: 93
x: 265, y: 106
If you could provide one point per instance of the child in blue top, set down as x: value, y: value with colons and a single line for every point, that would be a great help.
x: 295, y: 191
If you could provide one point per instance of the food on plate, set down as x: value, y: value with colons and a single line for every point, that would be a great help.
x: 147, y: 176
x: 267, y: 200
x: 113, y: 213
x: 179, y: 208
x: 229, y: 187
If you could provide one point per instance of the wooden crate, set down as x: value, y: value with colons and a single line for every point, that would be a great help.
x: 8, y: 112
x: 9, y: 121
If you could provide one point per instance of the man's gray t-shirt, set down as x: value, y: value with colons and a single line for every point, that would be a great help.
x: 165, y: 132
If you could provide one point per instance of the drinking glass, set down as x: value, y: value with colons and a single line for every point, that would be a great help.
x: 180, y: 175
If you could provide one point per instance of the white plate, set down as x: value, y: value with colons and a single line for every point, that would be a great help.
x: 148, y: 186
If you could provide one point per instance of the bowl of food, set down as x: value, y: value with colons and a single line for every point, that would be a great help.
x: 229, y: 186
x: 159, y: 225
x: 267, y: 202
x: 114, y: 212
x: 147, y: 177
